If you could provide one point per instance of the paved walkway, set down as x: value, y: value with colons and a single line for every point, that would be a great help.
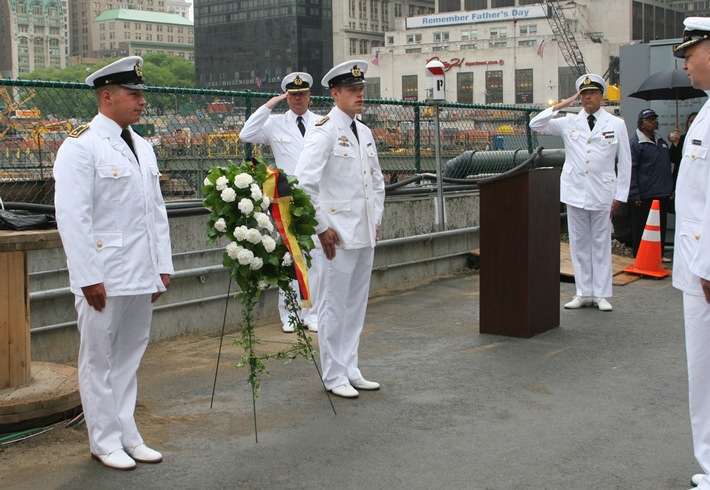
x: 599, y: 403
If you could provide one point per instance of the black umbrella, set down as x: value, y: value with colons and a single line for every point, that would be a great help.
x: 668, y: 85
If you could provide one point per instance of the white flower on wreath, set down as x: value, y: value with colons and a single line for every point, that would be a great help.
x: 220, y: 225
x: 240, y: 233
x: 221, y: 183
x: 262, y: 285
x: 265, y: 203
x: 264, y: 221
x: 256, y: 263
x: 288, y: 260
x: 269, y: 243
x: 245, y: 256
x: 206, y: 181
x: 229, y: 195
x: 256, y: 193
x: 253, y: 236
x: 233, y: 250
x: 243, y: 181
x: 246, y: 206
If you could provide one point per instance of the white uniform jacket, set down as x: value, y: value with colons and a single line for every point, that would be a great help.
x: 110, y: 212
x: 691, y: 259
x: 344, y: 179
x: 588, y: 179
x: 279, y: 131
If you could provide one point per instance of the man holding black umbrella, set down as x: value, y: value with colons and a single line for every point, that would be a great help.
x: 691, y: 264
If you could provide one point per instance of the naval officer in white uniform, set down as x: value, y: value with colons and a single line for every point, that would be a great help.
x: 114, y: 228
x: 691, y: 256
x: 595, y: 179
x: 339, y: 169
x: 285, y: 134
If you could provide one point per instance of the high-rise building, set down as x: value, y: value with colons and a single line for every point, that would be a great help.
x: 252, y: 44
x: 32, y: 35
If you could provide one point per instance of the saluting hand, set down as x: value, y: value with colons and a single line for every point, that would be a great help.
x: 329, y: 239
x: 567, y: 102
x: 273, y: 101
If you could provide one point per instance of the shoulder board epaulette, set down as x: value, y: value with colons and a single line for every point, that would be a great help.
x: 77, y: 131
x: 323, y: 121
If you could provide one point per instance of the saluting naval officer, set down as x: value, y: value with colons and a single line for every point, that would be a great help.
x: 595, y: 179
x: 285, y: 134
x: 691, y: 255
x: 339, y: 169
x: 114, y: 228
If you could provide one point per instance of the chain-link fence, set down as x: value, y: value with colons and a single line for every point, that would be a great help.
x: 193, y: 130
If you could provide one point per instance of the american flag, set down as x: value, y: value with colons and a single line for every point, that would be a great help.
x: 376, y: 59
x: 541, y: 48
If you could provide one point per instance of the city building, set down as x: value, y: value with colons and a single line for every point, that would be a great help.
x: 32, y: 35
x: 514, y: 51
x: 180, y: 7
x: 128, y: 32
x: 252, y: 44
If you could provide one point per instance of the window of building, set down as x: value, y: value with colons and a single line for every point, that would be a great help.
x: 469, y: 46
x: 528, y: 42
x: 497, y: 32
x: 440, y: 48
x: 479, y: 4
x: 413, y: 50
x: 440, y: 37
x: 494, y: 87
x: 502, y: 3
x: 37, y: 9
x: 21, y: 8
x: 414, y: 38
x: 449, y: 5
x: 468, y: 34
x: 528, y: 29
x: 566, y: 79
x: 126, y: 25
x: 372, y: 88
x: 363, y: 46
x: 498, y: 44
x: 410, y: 87
x: 464, y: 88
x: 524, y: 86
x: 398, y: 10
x: 126, y: 35
x: 352, y: 9
x: 353, y: 46
x: 390, y: 39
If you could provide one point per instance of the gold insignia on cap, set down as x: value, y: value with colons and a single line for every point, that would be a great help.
x: 297, y: 81
x: 138, y: 69
x: 356, y: 72
x: 587, y: 81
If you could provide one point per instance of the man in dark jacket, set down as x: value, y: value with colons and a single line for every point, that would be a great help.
x: 651, y: 176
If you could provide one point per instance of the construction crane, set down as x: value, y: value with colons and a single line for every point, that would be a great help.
x: 565, y: 38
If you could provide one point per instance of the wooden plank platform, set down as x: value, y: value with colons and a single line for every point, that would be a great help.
x: 618, y: 264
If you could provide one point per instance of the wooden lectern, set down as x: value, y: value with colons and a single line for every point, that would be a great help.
x: 520, y: 253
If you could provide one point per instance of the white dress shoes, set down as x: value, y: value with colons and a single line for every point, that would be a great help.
x: 345, y: 391
x: 287, y: 328
x: 144, y: 454
x: 578, y: 302
x: 313, y: 327
x: 363, y: 384
x: 603, y: 304
x: 117, y: 460
x: 696, y: 479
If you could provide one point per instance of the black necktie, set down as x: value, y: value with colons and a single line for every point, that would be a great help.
x: 354, y: 129
x: 301, y: 127
x: 591, y: 119
x: 126, y: 136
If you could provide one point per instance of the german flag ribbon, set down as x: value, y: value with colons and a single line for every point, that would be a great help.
x: 278, y: 190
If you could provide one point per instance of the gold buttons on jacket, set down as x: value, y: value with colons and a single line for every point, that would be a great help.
x: 692, y: 155
x: 332, y: 210
x: 99, y: 244
x: 697, y: 236
x: 115, y: 173
x: 345, y: 154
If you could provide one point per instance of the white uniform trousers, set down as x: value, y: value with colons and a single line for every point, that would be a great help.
x: 590, y: 249
x: 343, y: 290
x: 308, y: 315
x: 112, y: 344
x: 697, y: 347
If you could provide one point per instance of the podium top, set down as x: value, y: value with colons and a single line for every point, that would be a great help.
x: 17, y: 241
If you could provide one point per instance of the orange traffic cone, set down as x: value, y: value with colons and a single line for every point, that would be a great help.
x: 648, y: 258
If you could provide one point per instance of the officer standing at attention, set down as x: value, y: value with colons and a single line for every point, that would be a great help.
x: 114, y: 228
x: 339, y: 169
x: 691, y: 255
x: 595, y: 143
x: 285, y: 133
